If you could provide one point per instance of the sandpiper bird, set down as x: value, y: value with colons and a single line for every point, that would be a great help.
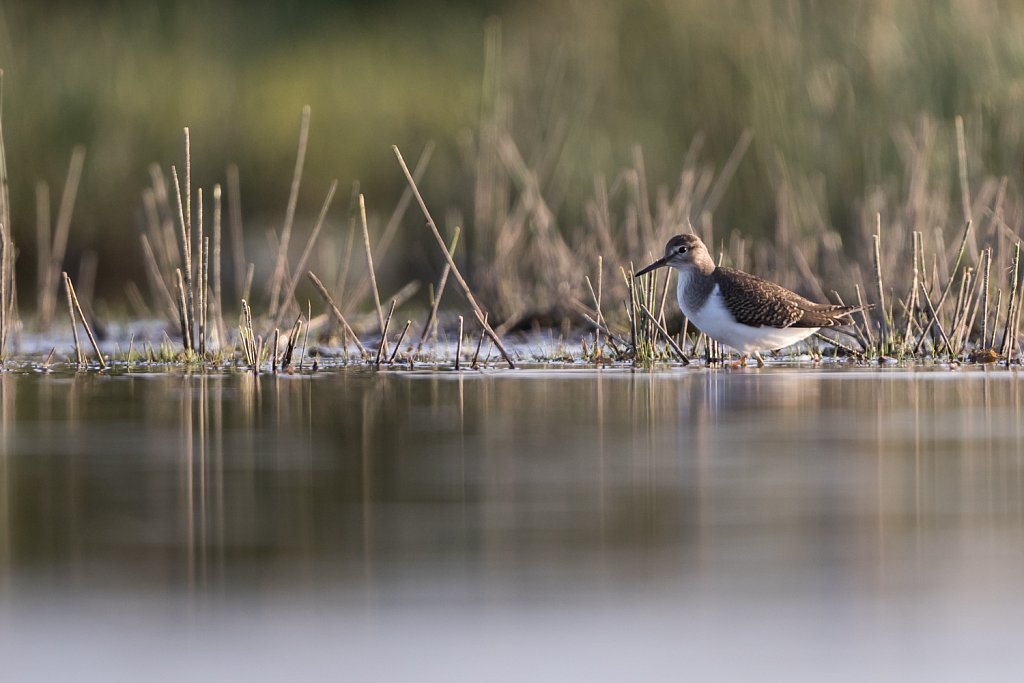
x: 738, y: 309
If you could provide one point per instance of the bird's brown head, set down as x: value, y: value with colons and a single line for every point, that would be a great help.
x: 683, y: 252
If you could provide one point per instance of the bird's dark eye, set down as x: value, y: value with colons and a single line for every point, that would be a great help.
x: 682, y: 250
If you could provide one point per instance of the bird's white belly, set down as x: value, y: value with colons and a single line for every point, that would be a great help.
x: 714, y: 320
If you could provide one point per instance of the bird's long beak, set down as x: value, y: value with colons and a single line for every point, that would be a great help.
x: 660, y: 263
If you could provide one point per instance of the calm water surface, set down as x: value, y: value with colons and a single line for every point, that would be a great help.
x: 788, y: 523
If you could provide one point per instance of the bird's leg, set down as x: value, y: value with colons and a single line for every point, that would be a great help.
x: 742, y: 362
x: 760, y: 361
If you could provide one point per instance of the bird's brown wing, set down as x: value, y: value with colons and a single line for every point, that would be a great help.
x: 755, y: 302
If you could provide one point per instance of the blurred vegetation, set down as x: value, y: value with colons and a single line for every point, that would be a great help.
x: 828, y: 89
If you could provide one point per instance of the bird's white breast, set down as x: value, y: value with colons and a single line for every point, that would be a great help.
x: 714, y: 319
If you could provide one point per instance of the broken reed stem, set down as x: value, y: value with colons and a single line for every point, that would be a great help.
x: 436, y: 302
x: 245, y: 335
x: 931, y: 309
x: 614, y: 338
x: 289, y: 216
x: 398, y: 344
x: 381, y: 349
x: 325, y: 295
x: 949, y: 285
x: 305, y: 333
x: 664, y: 333
x: 867, y: 321
x: 476, y: 354
x: 458, y: 345
x: 451, y: 262
x: 293, y: 283
x: 85, y: 323
x: 290, y: 342
x: 74, y: 325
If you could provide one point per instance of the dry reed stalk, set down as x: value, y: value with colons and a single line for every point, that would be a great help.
x: 458, y: 345
x: 728, y: 171
x: 966, y: 303
x: 246, y: 336
x: 479, y: 343
x: 382, y: 348
x: 201, y: 274
x: 1009, y: 335
x: 218, y: 301
x: 867, y: 321
x: 88, y: 266
x: 934, y: 317
x: 85, y: 323
x: 250, y: 271
x: 185, y: 247
x: 290, y: 342
x: 369, y: 264
x: 609, y: 334
x: 43, y: 248
x: 1015, y: 336
x: 451, y: 262
x: 877, y: 263
x: 156, y: 280
x: 991, y: 341
x: 643, y: 202
x: 47, y: 297
x: 136, y: 302
x: 986, y: 257
x: 235, y: 223
x: 74, y: 325
x: 273, y: 350
x: 5, y: 221
x: 186, y: 341
x: 664, y: 333
x: 431, y: 323
x: 346, y: 260
x: 325, y: 295
x: 391, y: 228
x: 949, y: 284
x: 975, y: 305
x: 965, y: 191
x: 911, y: 297
x: 398, y: 344
x: 277, y: 280
x: 597, y: 300
x: 293, y: 283
x: 305, y: 334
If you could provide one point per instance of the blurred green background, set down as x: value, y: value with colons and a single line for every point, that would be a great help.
x: 825, y: 88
